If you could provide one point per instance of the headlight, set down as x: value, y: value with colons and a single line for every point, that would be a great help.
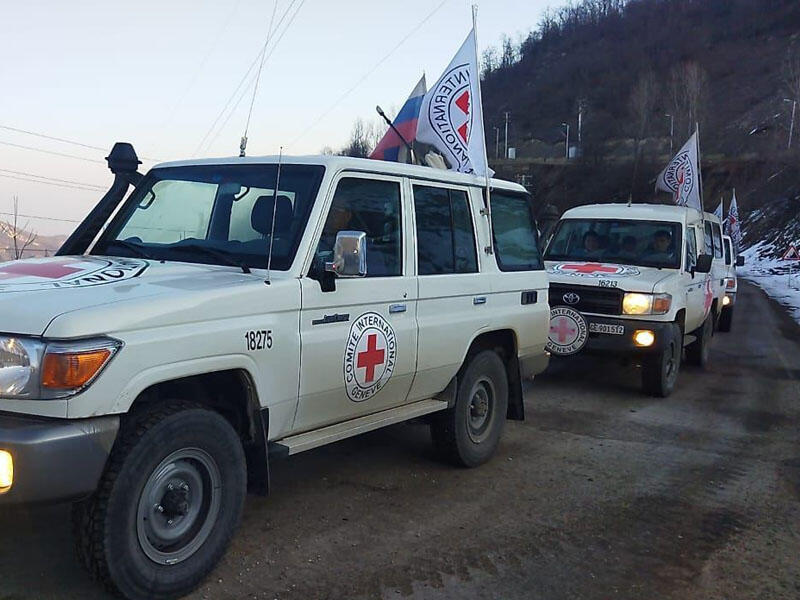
x: 33, y: 369
x: 646, y: 304
x: 19, y: 365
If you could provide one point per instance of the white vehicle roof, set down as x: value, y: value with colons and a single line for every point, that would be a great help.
x: 339, y: 163
x: 636, y: 212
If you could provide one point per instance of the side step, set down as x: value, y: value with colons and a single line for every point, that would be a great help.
x: 333, y: 433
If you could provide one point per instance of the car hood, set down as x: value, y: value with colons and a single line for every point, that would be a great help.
x: 68, y: 296
x: 624, y: 277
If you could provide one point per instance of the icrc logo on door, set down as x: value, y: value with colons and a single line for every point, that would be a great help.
x: 369, y: 356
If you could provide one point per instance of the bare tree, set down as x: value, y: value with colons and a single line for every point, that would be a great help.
x: 689, y: 93
x: 791, y: 72
x: 20, y: 236
x: 359, y: 144
x: 642, y: 106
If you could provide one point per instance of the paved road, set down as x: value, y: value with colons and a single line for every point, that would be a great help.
x: 601, y: 493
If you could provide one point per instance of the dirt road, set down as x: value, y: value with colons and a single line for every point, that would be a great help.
x: 601, y: 493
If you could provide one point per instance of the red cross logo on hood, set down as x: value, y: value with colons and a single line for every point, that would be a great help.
x: 588, y: 268
x: 46, y: 270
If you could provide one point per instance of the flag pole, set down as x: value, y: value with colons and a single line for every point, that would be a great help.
x: 699, y: 165
x: 488, y: 203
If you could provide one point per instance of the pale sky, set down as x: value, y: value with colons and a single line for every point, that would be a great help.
x: 157, y: 74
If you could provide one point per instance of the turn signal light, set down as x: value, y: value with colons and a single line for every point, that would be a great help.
x: 6, y: 471
x: 72, y: 370
x: 644, y: 338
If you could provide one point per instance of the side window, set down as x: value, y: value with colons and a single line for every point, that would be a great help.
x: 717, y: 240
x: 728, y: 253
x: 515, y: 241
x: 371, y: 206
x: 708, y: 239
x: 691, y: 248
x: 445, y: 236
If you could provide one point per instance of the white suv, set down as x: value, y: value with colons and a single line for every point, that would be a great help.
x: 231, y: 311
x: 633, y: 281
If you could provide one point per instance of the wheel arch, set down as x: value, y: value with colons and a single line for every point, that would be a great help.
x: 504, y: 342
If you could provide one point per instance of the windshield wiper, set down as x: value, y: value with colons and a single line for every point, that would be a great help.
x: 218, y: 254
x: 137, y: 249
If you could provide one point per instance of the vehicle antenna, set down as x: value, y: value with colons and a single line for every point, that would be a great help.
x: 274, y: 210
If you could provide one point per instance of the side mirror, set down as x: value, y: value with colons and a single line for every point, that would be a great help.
x: 349, y: 255
x: 703, y: 264
x: 740, y: 261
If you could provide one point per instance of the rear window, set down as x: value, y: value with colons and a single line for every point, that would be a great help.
x: 516, y: 242
x: 717, y: 240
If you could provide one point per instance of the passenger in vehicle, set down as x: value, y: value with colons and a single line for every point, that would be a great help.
x: 592, y: 247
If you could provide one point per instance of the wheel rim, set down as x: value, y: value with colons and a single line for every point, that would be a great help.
x: 480, y: 414
x: 671, y: 366
x: 178, y: 506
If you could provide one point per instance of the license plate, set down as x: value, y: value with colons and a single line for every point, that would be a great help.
x: 606, y: 328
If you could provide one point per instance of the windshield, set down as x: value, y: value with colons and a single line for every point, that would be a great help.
x: 215, y: 214
x: 637, y: 243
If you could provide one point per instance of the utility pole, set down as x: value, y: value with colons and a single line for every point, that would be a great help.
x: 580, y: 122
x: 505, y: 155
x: 671, y: 130
x: 791, y: 126
x: 497, y: 142
x: 566, y: 142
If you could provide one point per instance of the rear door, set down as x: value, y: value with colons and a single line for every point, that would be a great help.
x: 359, y: 342
x: 453, y: 297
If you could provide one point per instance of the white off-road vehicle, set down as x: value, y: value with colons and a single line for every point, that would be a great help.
x: 627, y: 280
x: 731, y: 284
x: 228, y: 312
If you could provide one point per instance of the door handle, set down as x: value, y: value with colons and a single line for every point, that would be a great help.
x: 479, y: 300
x: 397, y: 308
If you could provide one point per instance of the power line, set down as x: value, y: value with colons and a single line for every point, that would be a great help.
x: 258, y: 76
x: 32, y: 177
x: 370, y: 72
x: 244, y: 91
x: 66, y: 141
x: 62, y: 185
x: 91, y: 160
x: 8, y: 214
x: 245, y: 77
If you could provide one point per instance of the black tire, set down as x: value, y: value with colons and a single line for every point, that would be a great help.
x: 726, y: 320
x: 660, y: 370
x: 120, y: 537
x: 697, y: 352
x: 468, y: 433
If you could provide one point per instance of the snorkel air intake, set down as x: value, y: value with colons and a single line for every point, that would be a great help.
x: 123, y: 163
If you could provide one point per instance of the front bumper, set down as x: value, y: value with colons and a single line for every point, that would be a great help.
x: 623, y: 344
x: 55, y: 459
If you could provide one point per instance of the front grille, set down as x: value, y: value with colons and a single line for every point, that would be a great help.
x: 603, y: 301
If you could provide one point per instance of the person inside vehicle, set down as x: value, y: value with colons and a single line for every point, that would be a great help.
x: 660, y: 249
x: 592, y: 247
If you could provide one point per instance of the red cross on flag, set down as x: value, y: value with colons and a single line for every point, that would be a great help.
x: 451, y: 117
x: 681, y: 178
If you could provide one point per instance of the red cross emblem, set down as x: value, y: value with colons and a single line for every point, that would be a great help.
x: 562, y: 328
x: 48, y: 270
x: 462, y: 102
x: 588, y: 268
x: 371, y: 357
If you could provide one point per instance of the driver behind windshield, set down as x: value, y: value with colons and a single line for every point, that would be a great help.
x: 660, y: 249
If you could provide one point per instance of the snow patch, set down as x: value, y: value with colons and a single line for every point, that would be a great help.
x: 778, y: 278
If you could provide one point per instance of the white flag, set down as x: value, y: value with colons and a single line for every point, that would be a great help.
x: 733, y: 225
x: 451, y: 117
x: 718, y: 212
x: 681, y: 178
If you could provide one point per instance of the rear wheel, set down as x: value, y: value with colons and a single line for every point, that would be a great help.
x: 660, y: 370
x: 168, y: 504
x: 726, y: 319
x: 697, y: 352
x: 468, y: 433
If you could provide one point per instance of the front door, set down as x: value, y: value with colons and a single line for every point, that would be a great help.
x: 359, y: 342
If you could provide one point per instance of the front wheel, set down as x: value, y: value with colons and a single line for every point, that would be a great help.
x: 726, y: 319
x: 697, y: 352
x: 168, y: 504
x: 660, y: 370
x: 468, y: 433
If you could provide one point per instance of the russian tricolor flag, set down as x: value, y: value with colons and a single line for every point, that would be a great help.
x: 391, y: 147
